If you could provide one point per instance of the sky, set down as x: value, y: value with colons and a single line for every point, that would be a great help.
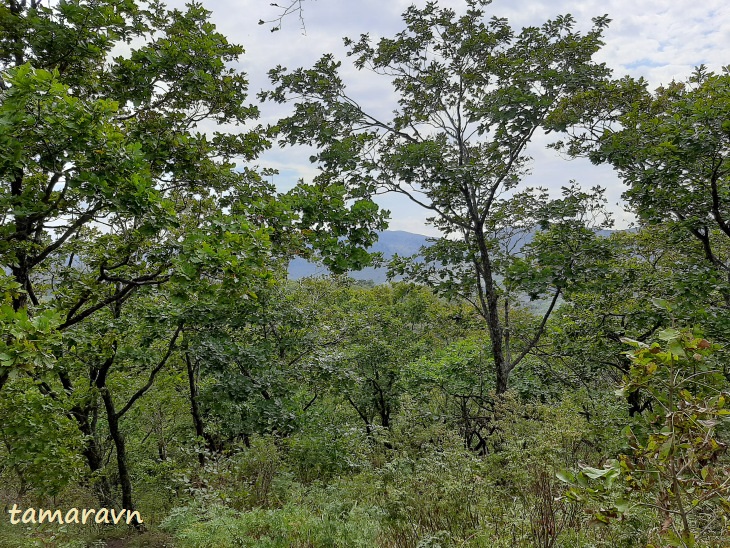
x: 660, y: 40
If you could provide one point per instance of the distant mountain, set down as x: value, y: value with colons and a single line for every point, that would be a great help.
x: 389, y: 243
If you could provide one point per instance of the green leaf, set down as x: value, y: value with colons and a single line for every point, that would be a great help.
x: 595, y: 473
x: 666, y: 448
x: 668, y: 334
x: 675, y: 347
x: 565, y: 476
x: 662, y: 304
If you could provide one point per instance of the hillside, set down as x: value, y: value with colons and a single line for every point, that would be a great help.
x: 390, y: 242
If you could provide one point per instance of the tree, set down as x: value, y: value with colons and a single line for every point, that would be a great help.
x: 253, y: 355
x: 675, y: 466
x: 671, y: 149
x: 641, y: 266
x: 98, y: 160
x: 472, y: 93
x: 679, y: 456
x: 110, y: 192
x: 103, y: 151
x: 288, y: 8
x: 387, y: 328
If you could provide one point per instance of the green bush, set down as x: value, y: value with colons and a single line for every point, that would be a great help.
x: 290, y: 526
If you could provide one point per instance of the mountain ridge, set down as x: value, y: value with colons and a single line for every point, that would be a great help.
x: 390, y: 243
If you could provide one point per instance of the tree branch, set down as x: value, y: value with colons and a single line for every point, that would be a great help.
x: 539, y: 332
x: 139, y: 393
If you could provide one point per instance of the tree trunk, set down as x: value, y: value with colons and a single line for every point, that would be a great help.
x: 119, y: 443
x: 93, y: 451
x: 194, y: 408
x: 85, y: 414
x: 496, y: 332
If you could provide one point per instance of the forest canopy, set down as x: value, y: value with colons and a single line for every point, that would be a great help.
x: 533, y: 377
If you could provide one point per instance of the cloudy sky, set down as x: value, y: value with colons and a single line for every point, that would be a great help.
x: 660, y: 40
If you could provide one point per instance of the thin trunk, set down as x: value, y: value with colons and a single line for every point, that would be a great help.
x: 114, y: 416
x: 508, y: 351
x: 23, y: 230
x: 368, y: 426
x: 382, y: 406
x: 95, y: 459
x: 496, y: 332
x: 676, y: 489
x: 125, y: 481
x: 193, y: 370
x: 85, y: 414
x: 100, y: 376
x: 385, y: 416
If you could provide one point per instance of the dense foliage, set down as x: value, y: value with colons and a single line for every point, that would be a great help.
x: 533, y: 380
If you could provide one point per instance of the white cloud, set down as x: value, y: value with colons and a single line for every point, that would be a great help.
x: 656, y: 39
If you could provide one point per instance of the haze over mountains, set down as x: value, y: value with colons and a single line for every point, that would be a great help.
x: 389, y: 243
